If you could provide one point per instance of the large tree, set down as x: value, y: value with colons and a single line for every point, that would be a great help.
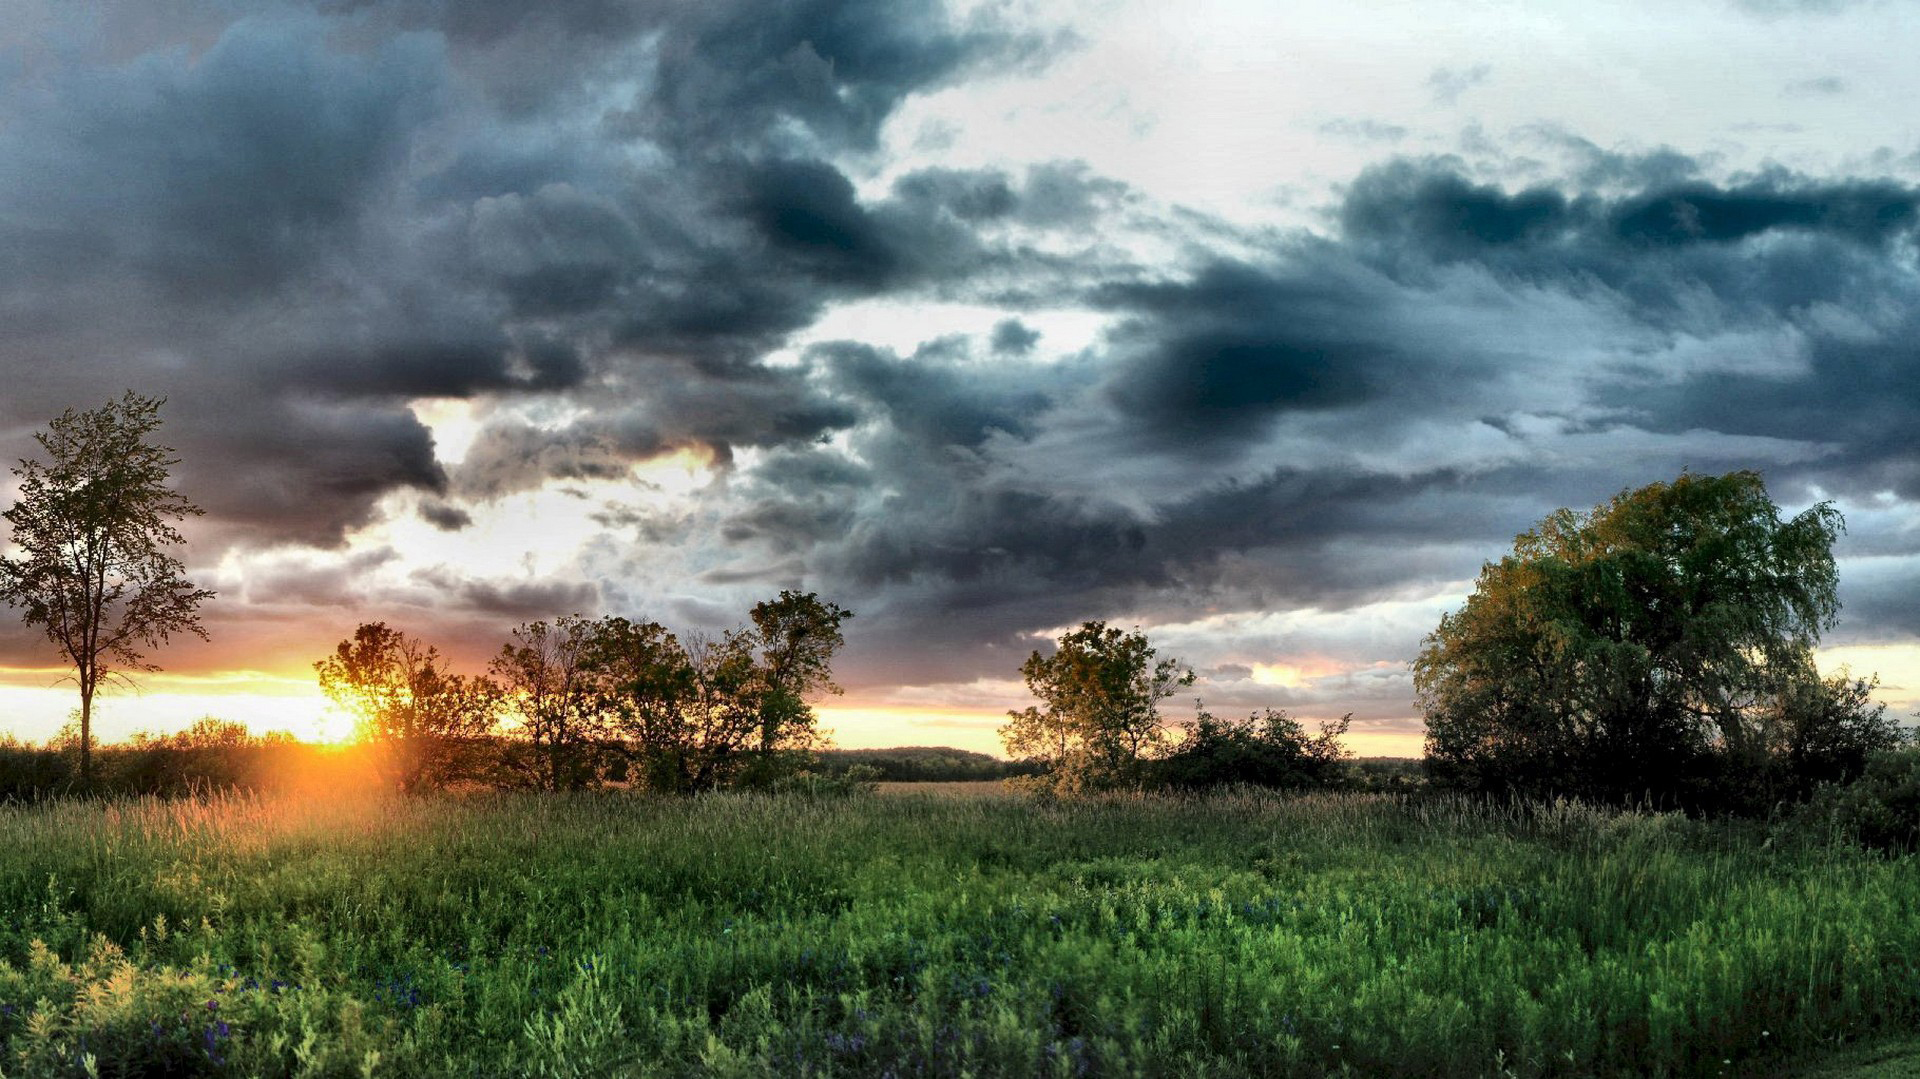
x: 1100, y: 717
x: 1648, y: 648
x: 94, y: 526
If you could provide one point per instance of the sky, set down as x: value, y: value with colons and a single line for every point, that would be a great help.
x: 1257, y: 326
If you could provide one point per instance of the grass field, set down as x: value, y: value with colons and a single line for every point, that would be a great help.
x: 918, y: 933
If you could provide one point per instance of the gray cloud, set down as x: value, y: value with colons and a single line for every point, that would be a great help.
x: 1447, y: 84
x: 615, y: 228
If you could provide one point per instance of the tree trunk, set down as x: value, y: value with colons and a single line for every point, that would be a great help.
x: 86, y: 737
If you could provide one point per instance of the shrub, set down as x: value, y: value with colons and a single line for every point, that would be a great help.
x: 1267, y: 749
x: 1881, y: 809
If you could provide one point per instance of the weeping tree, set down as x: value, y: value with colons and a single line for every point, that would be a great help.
x: 1658, y: 646
x: 94, y: 526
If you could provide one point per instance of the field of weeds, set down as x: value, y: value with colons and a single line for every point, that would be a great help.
x: 922, y: 933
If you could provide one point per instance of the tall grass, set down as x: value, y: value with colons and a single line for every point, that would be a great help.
x: 762, y: 935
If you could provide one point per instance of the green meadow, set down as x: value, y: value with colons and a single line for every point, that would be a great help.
x: 934, y: 933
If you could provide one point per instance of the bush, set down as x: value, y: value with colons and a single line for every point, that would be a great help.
x: 1267, y: 749
x: 1881, y: 809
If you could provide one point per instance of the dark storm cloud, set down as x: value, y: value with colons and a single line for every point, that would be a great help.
x: 1219, y: 355
x: 1429, y: 310
x: 1014, y: 337
x: 611, y: 227
x: 224, y: 176
x: 1823, y: 262
x: 735, y: 73
x: 445, y: 516
x: 1441, y: 213
x: 515, y: 602
x: 306, y: 219
x: 1428, y: 208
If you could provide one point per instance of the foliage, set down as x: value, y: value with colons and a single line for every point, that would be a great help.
x: 747, y: 934
x: 797, y: 635
x: 1100, y: 717
x: 1658, y: 647
x: 93, y: 525
x: 1880, y: 809
x: 427, y: 722
x: 1814, y: 731
x: 690, y: 713
x: 1267, y: 749
x: 548, y: 677
x: 856, y: 780
x: 715, y: 719
x: 641, y: 678
x: 212, y: 755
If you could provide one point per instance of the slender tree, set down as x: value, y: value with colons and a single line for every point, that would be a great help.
x: 798, y: 634
x: 93, y: 527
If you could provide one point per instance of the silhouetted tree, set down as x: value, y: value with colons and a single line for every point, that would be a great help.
x: 93, y: 524
x: 1642, y: 649
x: 426, y: 721
x: 1101, y: 690
x: 644, y: 684
x: 548, y: 675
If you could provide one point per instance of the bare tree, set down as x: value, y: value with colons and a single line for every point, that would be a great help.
x: 93, y: 526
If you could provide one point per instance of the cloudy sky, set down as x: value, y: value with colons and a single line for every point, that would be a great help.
x: 1259, y: 326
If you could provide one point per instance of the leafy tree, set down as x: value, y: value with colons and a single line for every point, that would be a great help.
x: 1101, y: 691
x: 722, y: 712
x: 1268, y: 749
x: 426, y: 721
x: 644, y: 682
x: 1814, y: 731
x: 1642, y: 649
x: 797, y: 636
x: 689, y: 710
x: 702, y: 712
x: 548, y: 676
x: 93, y: 525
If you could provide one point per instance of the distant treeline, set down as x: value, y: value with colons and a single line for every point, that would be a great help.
x: 220, y: 755
x: 924, y: 764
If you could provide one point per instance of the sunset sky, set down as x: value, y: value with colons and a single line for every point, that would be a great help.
x: 1257, y: 325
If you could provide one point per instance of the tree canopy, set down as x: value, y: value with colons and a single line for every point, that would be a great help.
x: 1100, y: 717
x: 424, y: 719
x: 1646, y: 648
x: 94, y: 524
